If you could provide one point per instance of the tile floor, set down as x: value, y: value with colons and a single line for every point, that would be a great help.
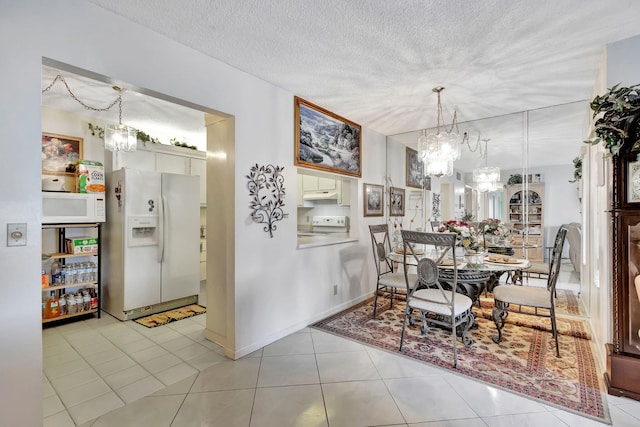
x: 103, y: 372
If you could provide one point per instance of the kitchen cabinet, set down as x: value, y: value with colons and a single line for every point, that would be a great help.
x: 316, y: 183
x: 171, y: 163
x: 198, y: 167
x: 79, y: 272
x: 343, y: 188
x: 300, y: 199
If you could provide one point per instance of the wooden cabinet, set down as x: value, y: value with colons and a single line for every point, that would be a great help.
x: 79, y: 277
x: 622, y: 377
x: 525, y: 211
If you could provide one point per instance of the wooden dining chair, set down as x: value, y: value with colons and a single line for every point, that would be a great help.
x: 388, y: 282
x: 428, y: 299
x: 510, y: 298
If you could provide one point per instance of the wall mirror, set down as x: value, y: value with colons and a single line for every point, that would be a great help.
x: 538, y: 145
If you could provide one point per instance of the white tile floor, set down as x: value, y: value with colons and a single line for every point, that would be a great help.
x: 97, y: 371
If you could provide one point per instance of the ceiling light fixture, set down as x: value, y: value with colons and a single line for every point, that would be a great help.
x: 116, y: 137
x: 120, y: 137
x: 486, y: 177
x: 439, y: 150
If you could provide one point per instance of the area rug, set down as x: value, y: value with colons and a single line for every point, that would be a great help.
x: 174, y: 315
x: 523, y: 363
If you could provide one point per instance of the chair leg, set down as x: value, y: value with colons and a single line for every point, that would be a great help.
x: 393, y: 294
x: 404, y: 324
x: 375, y: 302
x: 466, y: 327
x: 499, y: 314
x: 554, y: 329
x: 454, y: 335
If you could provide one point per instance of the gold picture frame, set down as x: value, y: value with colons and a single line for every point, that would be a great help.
x: 325, y: 141
x: 60, y: 153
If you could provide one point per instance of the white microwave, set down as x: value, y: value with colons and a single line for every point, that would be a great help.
x: 66, y: 208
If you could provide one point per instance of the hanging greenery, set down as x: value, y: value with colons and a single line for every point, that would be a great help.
x: 619, y: 123
x: 577, y: 171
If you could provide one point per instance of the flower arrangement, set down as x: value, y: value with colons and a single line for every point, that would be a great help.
x: 495, y: 228
x: 465, y: 238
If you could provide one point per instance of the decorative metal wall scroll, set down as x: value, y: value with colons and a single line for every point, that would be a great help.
x: 266, y: 188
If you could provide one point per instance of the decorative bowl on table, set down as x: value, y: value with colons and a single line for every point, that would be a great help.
x: 474, y: 258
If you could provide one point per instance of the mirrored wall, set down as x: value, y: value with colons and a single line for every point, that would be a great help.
x: 535, y: 151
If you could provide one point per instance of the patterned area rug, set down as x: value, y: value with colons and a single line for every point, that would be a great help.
x: 174, y: 315
x: 524, y: 362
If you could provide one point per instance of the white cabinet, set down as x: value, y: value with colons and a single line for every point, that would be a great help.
x: 140, y: 159
x: 344, y: 192
x: 316, y: 183
x: 198, y: 167
x: 300, y: 199
x: 172, y: 163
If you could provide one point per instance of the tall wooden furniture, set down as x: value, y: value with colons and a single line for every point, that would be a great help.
x: 525, y: 212
x: 623, y: 354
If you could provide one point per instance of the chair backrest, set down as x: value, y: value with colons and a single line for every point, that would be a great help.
x: 443, y: 243
x: 434, y: 225
x: 381, y: 245
x: 556, y: 258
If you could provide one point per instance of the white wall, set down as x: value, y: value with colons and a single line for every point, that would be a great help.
x: 277, y: 287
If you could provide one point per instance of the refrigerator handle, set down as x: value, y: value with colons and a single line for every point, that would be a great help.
x: 162, y: 229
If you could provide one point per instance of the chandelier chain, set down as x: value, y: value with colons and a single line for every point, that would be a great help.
x: 60, y: 77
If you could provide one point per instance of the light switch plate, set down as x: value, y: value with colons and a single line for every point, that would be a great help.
x: 17, y: 234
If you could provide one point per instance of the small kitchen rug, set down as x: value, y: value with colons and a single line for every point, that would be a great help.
x: 174, y: 315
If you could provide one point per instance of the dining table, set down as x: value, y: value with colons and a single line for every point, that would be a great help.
x: 472, y: 278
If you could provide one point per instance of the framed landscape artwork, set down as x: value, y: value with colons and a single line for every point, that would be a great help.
x: 396, y: 201
x: 326, y: 141
x: 373, y: 200
x: 415, y: 171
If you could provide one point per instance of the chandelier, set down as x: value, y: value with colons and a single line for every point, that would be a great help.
x: 487, y: 177
x: 440, y: 149
x: 116, y: 137
x: 120, y: 137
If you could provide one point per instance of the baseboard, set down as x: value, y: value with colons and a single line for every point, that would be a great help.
x: 241, y: 352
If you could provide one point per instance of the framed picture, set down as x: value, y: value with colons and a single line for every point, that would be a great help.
x: 373, y: 200
x: 60, y: 153
x: 415, y: 171
x: 396, y: 201
x: 326, y: 141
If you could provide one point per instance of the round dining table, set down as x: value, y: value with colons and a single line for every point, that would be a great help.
x: 472, y: 279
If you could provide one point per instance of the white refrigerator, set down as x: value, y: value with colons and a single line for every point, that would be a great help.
x: 152, y: 242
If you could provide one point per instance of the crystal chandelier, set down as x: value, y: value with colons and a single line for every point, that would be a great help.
x: 487, y: 177
x: 120, y: 137
x: 439, y: 150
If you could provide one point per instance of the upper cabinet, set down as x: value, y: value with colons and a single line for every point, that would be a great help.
x: 162, y: 158
x: 198, y: 167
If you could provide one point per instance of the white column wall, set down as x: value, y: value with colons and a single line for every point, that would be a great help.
x: 277, y: 287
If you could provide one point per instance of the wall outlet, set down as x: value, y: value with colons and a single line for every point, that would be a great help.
x: 335, y: 289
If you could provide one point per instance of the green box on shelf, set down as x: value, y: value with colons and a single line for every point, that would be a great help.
x: 82, y: 245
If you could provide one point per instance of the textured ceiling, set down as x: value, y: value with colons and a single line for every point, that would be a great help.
x: 376, y: 62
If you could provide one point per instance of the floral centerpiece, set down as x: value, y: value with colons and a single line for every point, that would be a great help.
x: 466, y: 235
x: 495, y: 227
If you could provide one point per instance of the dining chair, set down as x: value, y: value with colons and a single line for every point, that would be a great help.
x: 541, y: 299
x: 435, y: 303
x: 434, y: 225
x: 389, y: 281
